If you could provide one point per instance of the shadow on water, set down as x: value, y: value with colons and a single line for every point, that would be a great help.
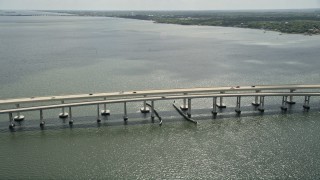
x: 167, y: 117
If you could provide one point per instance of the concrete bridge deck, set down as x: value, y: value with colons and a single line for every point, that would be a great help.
x: 186, y: 95
x: 158, y: 98
x: 158, y: 92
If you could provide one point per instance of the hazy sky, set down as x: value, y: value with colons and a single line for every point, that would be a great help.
x: 158, y: 4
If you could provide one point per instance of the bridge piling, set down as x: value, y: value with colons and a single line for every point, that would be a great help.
x: 105, y: 111
x: 184, y: 106
x: 291, y: 97
x: 238, y: 105
x: 18, y: 117
x: 152, y: 110
x: 125, y: 116
x: 214, y: 107
x: 70, y: 116
x: 41, y: 119
x: 306, y: 102
x: 189, y: 108
x: 256, y: 99
x: 221, y: 104
x: 284, y: 103
x: 11, y: 121
x: 98, y: 114
x: 145, y: 109
x: 261, y: 106
x: 63, y: 115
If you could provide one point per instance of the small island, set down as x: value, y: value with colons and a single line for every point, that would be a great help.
x: 305, y: 21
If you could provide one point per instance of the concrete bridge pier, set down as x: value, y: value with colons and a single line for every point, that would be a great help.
x: 306, y: 102
x: 291, y: 97
x: 214, y: 107
x: 70, y: 116
x: 184, y: 106
x: 145, y: 109
x: 98, y: 114
x: 256, y: 99
x: 221, y: 104
x: 63, y: 115
x: 42, y: 123
x: 18, y: 117
x: 261, y: 106
x: 189, y: 108
x: 125, y: 116
x: 11, y: 121
x: 152, y: 110
x: 105, y: 111
x: 238, y: 111
x: 284, y: 103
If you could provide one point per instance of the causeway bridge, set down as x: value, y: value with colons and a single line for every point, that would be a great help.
x: 286, y: 94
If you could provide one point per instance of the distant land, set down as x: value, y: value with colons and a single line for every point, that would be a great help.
x: 304, y: 21
x: 30, y: 13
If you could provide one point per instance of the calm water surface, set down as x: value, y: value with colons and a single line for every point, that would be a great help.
x: 42, y: 56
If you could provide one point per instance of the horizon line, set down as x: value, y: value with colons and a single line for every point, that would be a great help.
x: 159, y: 9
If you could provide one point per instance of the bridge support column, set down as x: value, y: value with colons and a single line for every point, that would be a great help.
x: 144, y: 109
x: 63, y: 115
x: 261, y: 106
x: 214, y: 108
x: 41, y: 119
x: 18, y: 117
x: 306, y: 102
x: 125, y: 116
x: 291, y: 97
x: 221, y: 105
x: 105, y: 111
x: 98, y: 113
x: 152, y: 110
x: 256, y: 98
x: 70, y: 116
x: 11, y: 121
x: 184, y: 106
x: 189, y: 108
x: 284, y: 105
x: 238, y: 105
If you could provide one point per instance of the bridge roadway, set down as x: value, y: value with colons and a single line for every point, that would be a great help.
x: 157, y: 95
x: 158, y: 92
x: 77, y: 104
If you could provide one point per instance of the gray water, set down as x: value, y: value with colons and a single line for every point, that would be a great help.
x: 43, y: 56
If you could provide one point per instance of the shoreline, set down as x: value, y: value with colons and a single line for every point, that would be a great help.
x: 188, y: 22
x: 305, y: 22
